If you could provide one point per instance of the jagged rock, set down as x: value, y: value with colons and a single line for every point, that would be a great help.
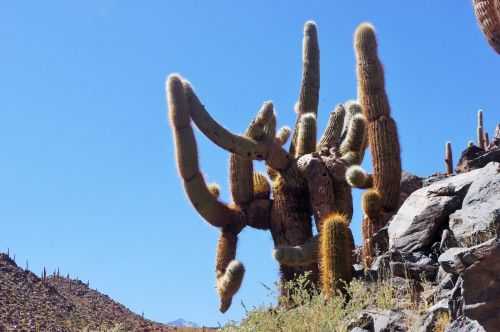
x: 474, y: 157
x: 413, y: 271
x: 364, y: 322
x: 464, y: 324
x: 416, y: 224
x: 434, y: 178
x: 479, y: 268
x: 475, y: 221
x: 433, y: 314
x: 389, y: 321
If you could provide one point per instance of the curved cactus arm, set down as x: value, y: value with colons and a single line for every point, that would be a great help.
x: 354, y: 144
x: 229, y: 272
x: 272, y: 153
x: 488, y: 16
x: 309, y: 87
x: 201, y: 196
x: 302, y: 255
x: 240, y: 167
x: 333, y: 132
x: 283, y: 135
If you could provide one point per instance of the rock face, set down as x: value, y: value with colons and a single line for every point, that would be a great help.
x: 480, y: 208
x: 426, y: 211
x: 445, y: 233
x: 479, y: 268
x: 474, y: 158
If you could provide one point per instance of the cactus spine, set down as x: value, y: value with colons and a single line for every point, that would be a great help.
x: 448, y: 158
x: 335, y: 254
x: 382, y: 137
x: 488, y: 16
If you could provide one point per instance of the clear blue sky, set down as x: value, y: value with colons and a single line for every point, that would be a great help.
x: 88, y: 179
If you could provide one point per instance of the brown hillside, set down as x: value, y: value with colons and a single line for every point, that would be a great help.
x: 55, y: 303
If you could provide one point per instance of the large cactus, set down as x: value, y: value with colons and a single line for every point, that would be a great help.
x: 488, y: 16
x: 382, y: 197
x: 308, y: 180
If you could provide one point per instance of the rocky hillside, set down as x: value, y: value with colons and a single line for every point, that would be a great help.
x: 444, y: 236
x: 56, y: 303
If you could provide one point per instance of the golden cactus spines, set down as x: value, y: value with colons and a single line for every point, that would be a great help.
x: 488, y: 17
x: 261, y: 186
x: 335, y: 255
x: 448, y: 158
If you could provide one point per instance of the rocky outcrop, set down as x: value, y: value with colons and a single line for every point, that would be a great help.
x: 474, y: 157
x: 445, y: 234
x: 480, y: 209
x: 426, y: 212
x: 478, y: 268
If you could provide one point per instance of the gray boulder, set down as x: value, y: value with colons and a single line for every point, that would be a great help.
x: 478, y: 268
x: 464, y: 324
x: 427, y: 210
x: 475, y: 221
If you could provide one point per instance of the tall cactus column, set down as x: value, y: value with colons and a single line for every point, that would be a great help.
x: 383, y: 198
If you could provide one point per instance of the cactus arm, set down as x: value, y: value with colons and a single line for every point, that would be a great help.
x: 383, y: 198
x: 335, y: 254
x: 357, y: 177
x: 229, y: 272
x: 382, y: 131
x: 488, y: 16
x: 272, y: 153
x: 283, y: 135
x: 302, y: 255
x: 352, y: 147
x: 208, y: 206
x: 309, y: 87
x: 306, y: 135
x: 332, y: 135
